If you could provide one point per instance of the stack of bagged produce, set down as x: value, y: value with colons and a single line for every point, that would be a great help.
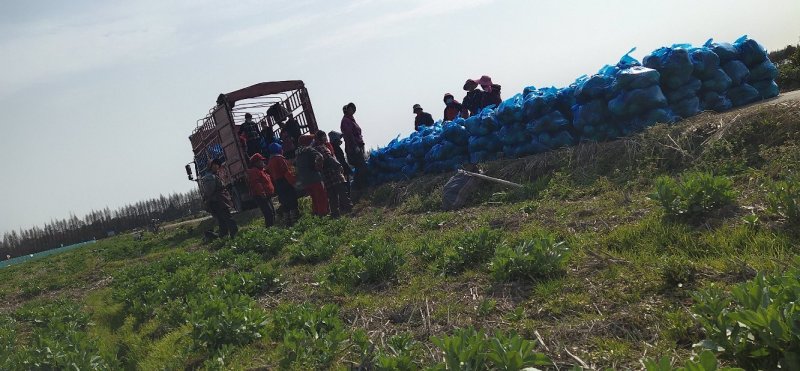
x: 673, y: 83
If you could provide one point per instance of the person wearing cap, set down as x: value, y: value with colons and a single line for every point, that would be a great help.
x: 217, y: 200
x: 452, y: 108
x: 472, y: 101
x: 333, y: 177
x: 309, y: 164
x: 354, y: 145
x: 422, y: 117
x: 252, y: 135
x: 261, y: 188
x: 283, y: 179
x: 491, y: 92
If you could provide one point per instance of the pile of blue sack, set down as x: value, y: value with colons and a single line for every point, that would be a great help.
x: 671, y: 84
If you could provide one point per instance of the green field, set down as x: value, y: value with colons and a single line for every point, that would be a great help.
x: 612, y: 256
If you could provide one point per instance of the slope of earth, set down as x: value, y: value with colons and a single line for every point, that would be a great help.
x: 611, y: 282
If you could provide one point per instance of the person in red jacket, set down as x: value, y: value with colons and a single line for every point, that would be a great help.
x: 261, y: 188
x: 491, y: 92
x: 284, y: 181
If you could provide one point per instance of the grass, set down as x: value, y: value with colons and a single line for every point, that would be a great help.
x: 375, y: 289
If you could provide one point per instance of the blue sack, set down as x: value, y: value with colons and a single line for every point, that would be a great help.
x: 751, y: 52
x: 482, y: 156
x: 565, y: 99
x: 513, y: 134
x: 673, y: 64
x: 712, y: 100
x: 597, y: 86
x: 743, y: 94
x: 627, y: 61
x: 489, y: 120
x: 454, y: 132
x: 593, y: 112
x: 705, y: 61
x: 719, y: 82
x: 511, y: 110
x: 472, y: 124
x: 539, y: 102
x: 737, y: 71
x: 410, y: 170
x: 763, y: 71
x: 725, y: 51
x: 637, y: 78
x: 686, y: 91
x: 635, y: 102
x: 686, y: 108
x: 553, y: 121
x: 766, y: 88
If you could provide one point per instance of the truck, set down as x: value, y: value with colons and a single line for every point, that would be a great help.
x: 216, y: 135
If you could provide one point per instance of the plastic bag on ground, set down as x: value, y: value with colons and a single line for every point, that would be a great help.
x: 725, y: 51
x: 457, y: 190
x: 553, y: 121
x: 511, y: 110
x: 765, y: 70
x: 686, y: 108
x: 597, y: 86
x: 712, y: 100
x: 565, y: 99
x: 705, y: 61
x: 454, y: 132
x: 766, y: 88
x: 750, y: 51
x: 539, y: 102
x: 637, y: 78
x: 673, y: 64
x: 684, y: 92
x: 638, y: 101
x: 737, y: 71
x: 593, y: 112
x: 743, y: 94
x: 513, y: 134
x: 718, y: 82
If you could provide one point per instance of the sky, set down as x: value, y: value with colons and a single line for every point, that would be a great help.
x: 99, y: 97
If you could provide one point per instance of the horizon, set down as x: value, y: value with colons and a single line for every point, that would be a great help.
x: 118, y: 106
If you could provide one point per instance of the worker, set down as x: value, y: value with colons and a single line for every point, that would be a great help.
x: 309, y: 165
x: 452, y: 108
x: 354, y: 145
x: 283, y: 180
x: 252, y: 134
x: 491, y: 92
x: 293, y: 128
x: 261, y: 188
x: 333, y: 177
x: 472, y: 101
x: 336, y: 142
x: 218, y: 200
x: 422, y: 117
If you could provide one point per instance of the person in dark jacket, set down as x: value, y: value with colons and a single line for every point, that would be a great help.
x: 336, y: 142
x: 422, y: 117
x: 217, y: 200
x: 452, y: 108
x: 309, y: 164
x: 354, y: 146
x: 261, y: 188
x: 491, y: 92
x: 252, y: 134
x: 472, y: 101
x: 333, y: 176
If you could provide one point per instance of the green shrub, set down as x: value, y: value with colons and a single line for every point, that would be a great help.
x: 706, y: 361
x: 267, y: 242
x: 532, y: 260
x: 261, y: 279
x: 402, y: 349
x: 471, y: 250
x: 677, y: 272
x: 372, y: 262
x: 315, y: 246
x: 756, y: 324
x: 219, y: 318
x: 468, y: 349
x: 784, y: 200
x: 310, y: 337
x: 695, y: 195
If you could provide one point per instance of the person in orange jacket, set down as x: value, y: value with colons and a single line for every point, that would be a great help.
x: 284, y: 181
x: 261, y: 188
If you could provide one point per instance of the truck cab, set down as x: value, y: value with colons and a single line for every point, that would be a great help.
x: 216, y: 135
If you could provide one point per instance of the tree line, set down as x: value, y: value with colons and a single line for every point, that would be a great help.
x: 99, y: 223
x: 788, y: 62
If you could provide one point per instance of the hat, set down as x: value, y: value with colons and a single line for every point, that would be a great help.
x: 335, y: 136
x: 257, y: 157
x: 275, y: 148
x: 484, y: 80
x: 417, y: 107
x: 448, y: 95
x: 306, y: 140
x: 470, y: 82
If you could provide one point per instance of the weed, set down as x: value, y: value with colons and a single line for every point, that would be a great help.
x: 695, y: 195
x: 706, y: 361
x: 267, y: 242
x: 219, y: 318
x: 310, y: 337
x: 372, y: 262
x: 486, y: 307
x: 532, y: 260
x: 468, y: 349
x: 784, y: 200
x: 314, y: 247
x: 469, y: 251
x: 677, y: 272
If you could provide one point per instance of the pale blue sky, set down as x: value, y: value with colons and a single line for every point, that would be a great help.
x: 98, y: 98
